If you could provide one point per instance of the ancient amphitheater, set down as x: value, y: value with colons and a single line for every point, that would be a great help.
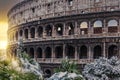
x: 82, y: 30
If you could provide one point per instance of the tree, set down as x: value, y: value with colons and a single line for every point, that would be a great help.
x: 103, y: 69
x: 67, y: 71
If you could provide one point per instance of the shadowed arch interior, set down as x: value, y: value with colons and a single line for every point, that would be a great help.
x: 70, y: 51
x: 59, y: 52
x: 39, y: 53
x: 97, y: 52
x: 112, y: 51
x: 48, y: 52
x: 83, y: 52
x: 31, y: 52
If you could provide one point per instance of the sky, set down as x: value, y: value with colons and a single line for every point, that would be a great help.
x: 5, y: 6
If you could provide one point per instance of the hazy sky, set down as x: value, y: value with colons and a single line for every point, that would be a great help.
x: 5, y: 5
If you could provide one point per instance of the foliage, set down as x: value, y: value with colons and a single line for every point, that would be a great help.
x: 8, y: 73
x: 103, y: 69
x: 67, y: 65
x: 67, y: 71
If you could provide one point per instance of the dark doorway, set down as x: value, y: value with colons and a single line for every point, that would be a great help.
x: 112, y: 51
x: 97, y: 52
x: 59, y: 52
x: 31, y: 53
x: 48, y: 52
x: 70, y: 51
x: 83, y: 52
x: 39, y: 53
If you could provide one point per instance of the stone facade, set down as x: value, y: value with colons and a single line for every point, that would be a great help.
x: 82, y: 30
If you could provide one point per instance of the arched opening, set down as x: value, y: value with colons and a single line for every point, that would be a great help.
x: 70, y: 29
x: 48, y: 52
x: 59, y: 52
x: 112, y: 26
x: 31, y: 52
x: 25, y: 50
x: 59, y: 29
x: 70, y: 51
x: 97, y: 27
x: 97, y: 52
x: 112, y: 23
x: 47, y: 73
x: 40, y: 32
x: 32, y: 32
x: 112, y: 51
x: 21, y: 33
x: 39, y: 53
x: 84, y: 28
x: 48, y: 30
x: 16, y: 35
x: 26, y: 33
x: 83, y: 52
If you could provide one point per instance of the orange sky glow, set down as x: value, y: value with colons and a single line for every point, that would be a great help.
x: 5, y: 6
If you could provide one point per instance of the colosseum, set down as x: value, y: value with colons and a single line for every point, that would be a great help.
x: 82, y: 30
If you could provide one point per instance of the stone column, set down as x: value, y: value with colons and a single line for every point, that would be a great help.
x: 105, y: 28
x: 36, y: 32
x: 90, y: 29
x: 44, y: 32
x: 64, y: 51
x: 76, y: 53
x: 64, y: 29
x: 53, y: 31
x: 29, y: 34
x: 76, y: 28
x: 90, y: 53
x: 104, y: 49
x: 53, y: 53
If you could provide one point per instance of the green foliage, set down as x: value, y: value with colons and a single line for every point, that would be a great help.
x: 68, y: 66
x: 7, y: 73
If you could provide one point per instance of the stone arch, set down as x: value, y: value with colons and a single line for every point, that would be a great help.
x: 112, y: 51
x: 48, y: 52
x: 31, y: 52
x: 59, y: 29
x: 70, y: 28
x: 97, y: 23
x: 26, y: 33
x: 32, y: 32
x: 59, y: 52
x: 40, y: 31
x: 112, y: 23
x: 97, y: 27
x: 112, y: 26
x: 25, y: 50
x: 48, y: 30
x: 21, y: 33
x: 83, y: 52
x: 70, y: 51
x: 84, y: 28
x: 39, y: 52
x: 48, y: 73
x: 97, y: 52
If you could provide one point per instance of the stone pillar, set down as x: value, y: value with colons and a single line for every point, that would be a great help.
x: 64, y: 29
x: 64, y: 51
x: 90, y: 29
x: 90, y: 53
x: 44, y: 32
x: 53, y: 31
x: 76, y: 53
x: 36, y: 32
x: 76, y: 28
x: 23, y: 36
x: 29, y: 34
x: 105, y: 28
x: 104, y: 49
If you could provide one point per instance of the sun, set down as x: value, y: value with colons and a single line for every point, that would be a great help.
x: 3, y: 35
x: 3, y: 44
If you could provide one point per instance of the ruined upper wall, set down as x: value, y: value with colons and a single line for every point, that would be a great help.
x: 30, y: 10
